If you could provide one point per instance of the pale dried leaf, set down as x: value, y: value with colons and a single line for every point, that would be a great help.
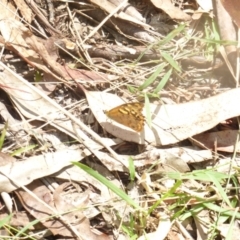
x: 170, y: 123
x: 226, y: 28
x: 26, y: 12
x: 168, y: 7
x: 200, y: 220
x: 6, y: 159
x: 228, y: 166
x: 205, y: 5
x: 31, y: 104
x: 24, y: 172
x: 161, y: 232
x: 68, y: 196
x: 225, y: 228
x: 110, y: 7
x: 187, y: 154
x: 7, y: 201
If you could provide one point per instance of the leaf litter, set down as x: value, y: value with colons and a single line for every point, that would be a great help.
x: 106, y: 54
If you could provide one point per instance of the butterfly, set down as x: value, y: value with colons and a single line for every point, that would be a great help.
x: 128, y: 114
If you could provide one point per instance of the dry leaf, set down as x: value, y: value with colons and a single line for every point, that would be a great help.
x: 167, y: 156
x: 110, y: 7
x: 70, y: 220
x: 168, y: 7
x: 224, y: 141
x: 205, y: 5
x: 161, y: 232
x: 26, y: 12
x: 233, y: 8
x: 170, y: 123
x: 38, y: 52
x: 24, y: 172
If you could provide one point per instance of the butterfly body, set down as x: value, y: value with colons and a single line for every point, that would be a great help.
x: 128, y: 114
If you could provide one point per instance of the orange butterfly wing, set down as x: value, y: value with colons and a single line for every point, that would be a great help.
x: 129, y: 114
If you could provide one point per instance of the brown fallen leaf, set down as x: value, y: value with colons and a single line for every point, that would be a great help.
x: 233, y: 8
x: 70, y: 222
x: 224, y: 141
x: 20, y: 219
x: 226, y: 28
x: 39, y: 53
x: 6, y: 159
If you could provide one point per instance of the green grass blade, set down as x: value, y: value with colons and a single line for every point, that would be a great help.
x: 171, y: 61
x: 163, y: 82
x: 131, y: 169
x: 110, y: 185
x: 5, y: 220
x: 23, y: 150
x: 26, y: 228
x: 215, y: 31
x: 152, y: 78
x: 172, y: 34
x: 206, y: 175
x: 168, y: 194
x: 221, y: 42
x: 226, y: 212
x: 3, y: 135
x: 191, y: 212
x: 229, y: 235
x: 200, y: 175
x: 220, y: 189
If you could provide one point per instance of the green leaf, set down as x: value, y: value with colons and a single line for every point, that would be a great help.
x: 38, y: 76
x: 169, y: 193
x: 205, y: 175
x: 5, y: 220
x: 2, y: 136
x: 152, y: 78
x: 171, y: 61
x: 131, y: 169
x: 172, y: 34
x: 198, y: 175
x: 110, y: 185
x: 222, y: 211
x: 229, y: 235
x: 23, y: 150
x: 219, y: 188
x: 132, y: 89
x: 163, y: 82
